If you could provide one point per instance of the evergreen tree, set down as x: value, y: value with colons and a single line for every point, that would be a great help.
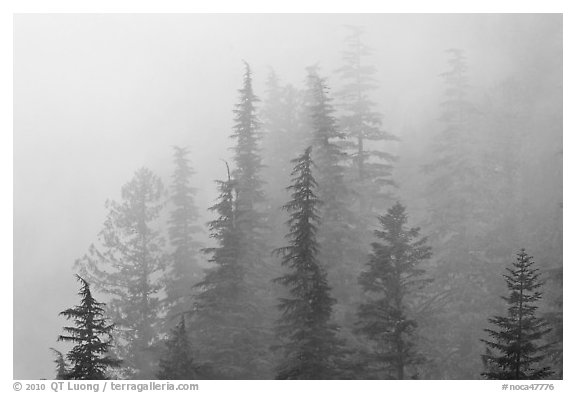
x: 184, y: 270
x: 391, y: 280
x: 129, y: 268
x: 88, y: 358
x: 455, y: 171
x: 371, y: 171
x: 61, y: 366
x: 339, y: 232
x: 247, y: 151
x: 458, y: 223
x: 234, y: 306
x: 517, y: 336
x: 284, y: 137
x: 178, y: 362
x: 554, y: 317
x: 218, y: 302
x: 310, y: 342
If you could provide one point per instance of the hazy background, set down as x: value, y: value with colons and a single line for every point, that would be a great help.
x: 98, y: 96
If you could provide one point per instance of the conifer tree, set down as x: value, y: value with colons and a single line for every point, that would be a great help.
x: 517, y: 337
x: 253, y: 256
x: 458, y: 219
x: 247, y: 158
x: 393, y: 276
x: 92, y: 335
x: 371, y: 174
x: 183, y: 270
x: 178, y: 362
x: 338, y: 234
x: 283, y: 138
x: 454, y: 173
x: 233, y: 308
x: 61, y: 366
x: 129, y: 266
x: 219, y: 301
x: 310, y: 342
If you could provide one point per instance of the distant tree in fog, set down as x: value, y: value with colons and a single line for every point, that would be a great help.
x: 284, y: 137
x: 371, y: 175
x: 235, y: 299
x: 219, y: 305
x: 178, y: 361
x: 392, y: 278
x: 129, y: 266
x: 458, y: 200
x: 61, y: 366
x: 92, y: 335
x: 517, y: 337
x: 183, y: 269
x: 338, y: 233
x: 308, y: 338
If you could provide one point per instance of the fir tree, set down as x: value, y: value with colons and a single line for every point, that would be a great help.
x: 253, y: 253
x: 283, y: 138
x: 247, y: 151
x: 458, y: 224
x: 310, y: 342
x: 61, y: 366
x: 391, y: 280
x: 455, y: 176
x: 338, y: 234
x: 371, y: 167
x: 129, y: 267
x: 517, y: 336
x: 227, y: 323
x: 92, y: 336
x: 183, y: 270
x: 218, y: 302
x: 178, y: 362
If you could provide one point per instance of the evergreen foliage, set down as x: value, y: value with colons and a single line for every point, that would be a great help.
x: 129, y: 267
x: 92, y: 335
x: 310, y: 344
x: 218, y: 302
x: 338, y: 232
x: 178, y: 361
x: 183, y: 269
x: 459, y: 216
x: 371, y: 175
x: 516, y: 337
x: 61, y: 366
x: 284, y: 137
x: 246, y: 150
x: 234, y: 300
x: 393, y: 276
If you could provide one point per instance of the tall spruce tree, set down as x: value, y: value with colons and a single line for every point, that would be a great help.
x: 178, y: 361
x: 92, y: 335
x: 454, y: 173
x: 219, y: 301
x: 458, y: 223
x: 371, y: 170
x: 339, y: 232
x: 61, y: 366
x: 517, y: 337
x: 129, y: 266
x: 393, y: 277
x: 309, y: 339
x: 233, y: 310
x: 284, y: 137
x: 183, y: 269
x: 247, y: 158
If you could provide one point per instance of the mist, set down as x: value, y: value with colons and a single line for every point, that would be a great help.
x: 98, y: 96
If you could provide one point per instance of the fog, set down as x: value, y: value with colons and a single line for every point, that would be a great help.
x: 98, y: 96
